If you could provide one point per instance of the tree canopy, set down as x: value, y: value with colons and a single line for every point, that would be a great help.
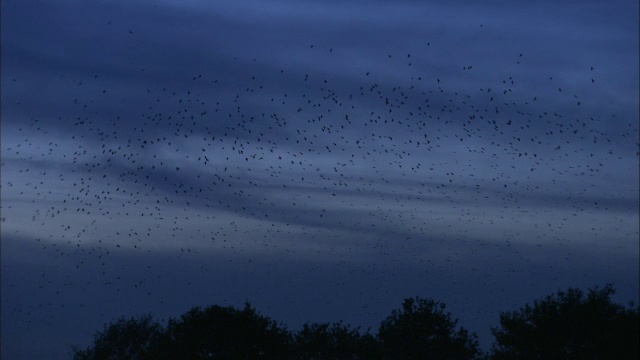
x: 335, y: 341
x: 569, y: 325
x: 566, y: 325
x: 422, y: 329
x: 132, y: 338
x: 218, y: 332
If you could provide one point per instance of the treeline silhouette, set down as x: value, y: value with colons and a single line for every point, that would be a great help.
x: 570, y: 324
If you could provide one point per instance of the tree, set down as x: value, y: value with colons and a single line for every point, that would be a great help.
x: 123, y: 339
x: 225, y: 333
x: 422, y: 330
x: 334, y: 341
x: 569, y: 325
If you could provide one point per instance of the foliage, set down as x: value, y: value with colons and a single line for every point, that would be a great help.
x: 334, y: 341
x: 569, y: 325
x: 123, y: 339
x: 422, y: 330
x: 225, y: 333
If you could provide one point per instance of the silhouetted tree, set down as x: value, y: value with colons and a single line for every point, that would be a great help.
x: 122, y: 339
x: 569, y: 326
x: 225, y: 333
x: 422, y: 330
x: 335, y: 341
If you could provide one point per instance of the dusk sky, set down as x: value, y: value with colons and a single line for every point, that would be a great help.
x: 322, y: 159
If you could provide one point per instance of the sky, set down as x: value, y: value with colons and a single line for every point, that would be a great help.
x: 323, y: 160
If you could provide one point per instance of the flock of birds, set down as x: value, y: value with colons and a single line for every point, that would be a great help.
x: 295, y: 164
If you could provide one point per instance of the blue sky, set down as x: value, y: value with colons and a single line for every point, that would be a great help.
x: 324, y: 160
